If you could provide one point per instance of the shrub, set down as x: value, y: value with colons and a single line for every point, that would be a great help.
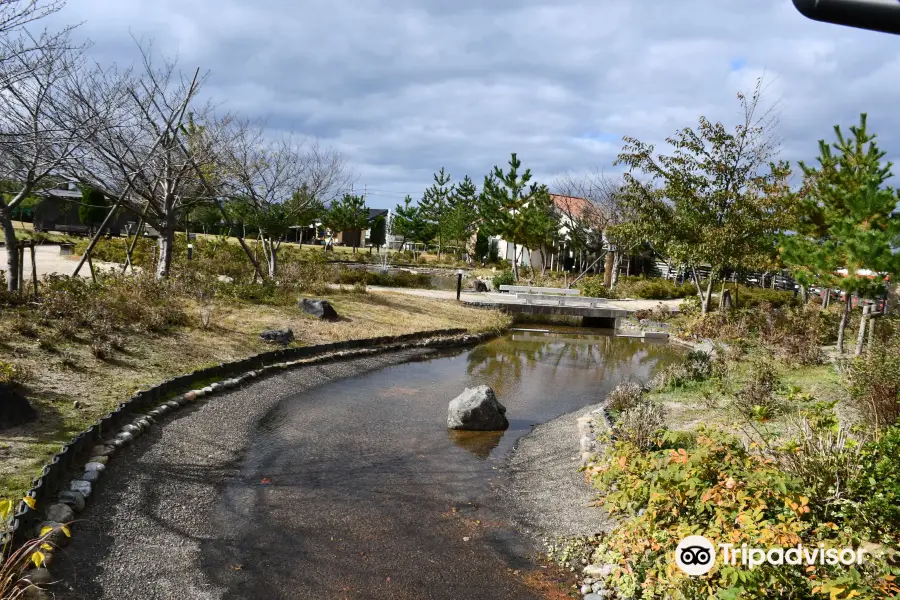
x: 697, y: 366
x: 624, y: 396
x: 875, y: 387
x: 821, y: 454
x: 641, y: 424
x: 13, y: 374
x: 593, y: 287
x: 504, y: 278
x: 653, y: 289
x: 876, y: 488
x: 757, y: 399
x: 101, y: 348
x: 719, y: 489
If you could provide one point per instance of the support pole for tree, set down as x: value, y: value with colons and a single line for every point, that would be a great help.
x: 129, y: 248
x: 34, y: 279
x: 871, y: 342
x: 862, y: 329
x: 96, y: 238
x: 21, y: 259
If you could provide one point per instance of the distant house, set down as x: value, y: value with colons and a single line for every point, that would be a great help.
x: 361, y: 238
x: 571, y: 210
x: 57, y: 210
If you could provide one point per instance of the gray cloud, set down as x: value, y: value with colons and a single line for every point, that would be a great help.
x: 403, y: 87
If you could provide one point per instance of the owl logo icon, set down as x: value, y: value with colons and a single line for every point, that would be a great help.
x: 695, y: 555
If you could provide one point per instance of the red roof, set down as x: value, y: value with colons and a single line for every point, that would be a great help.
x: 577, y: 207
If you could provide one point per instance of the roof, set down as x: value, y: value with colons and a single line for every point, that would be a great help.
x: 577, y: 207
x: 61, y: 193
x: 374, y: 213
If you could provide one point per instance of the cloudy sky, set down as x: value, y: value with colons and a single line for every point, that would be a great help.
x: 404, y: 87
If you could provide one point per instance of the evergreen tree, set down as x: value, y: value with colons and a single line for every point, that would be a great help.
x: 461, y: 219
x: 379, y: 232
x: 347, y: 214
x: 849, y: 220
x: 482, y: 245
x: 435, y: 204
x: 410, y: 222
x: 94, y: 207
x: 503, y: 199
x: 542, y: 223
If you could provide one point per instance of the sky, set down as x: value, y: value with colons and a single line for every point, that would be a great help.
x: 404, y: 87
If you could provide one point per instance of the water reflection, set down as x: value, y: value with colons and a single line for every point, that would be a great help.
x: 479, y: 443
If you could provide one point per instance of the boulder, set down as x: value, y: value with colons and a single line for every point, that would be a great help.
x: 321, y: 309
x: 277, y: 336
x: 14, y: 407
x: 480, y: 286
x: 60, y: 513
x: 477, y: 409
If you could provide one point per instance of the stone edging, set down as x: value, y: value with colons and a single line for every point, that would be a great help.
x: 590, y: 582
x: 89, y: 452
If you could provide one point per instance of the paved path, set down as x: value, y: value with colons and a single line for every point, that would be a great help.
x: 364, y: 502
x: 49, y: 261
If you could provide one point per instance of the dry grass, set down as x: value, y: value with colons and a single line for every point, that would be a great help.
x: 70, y: 372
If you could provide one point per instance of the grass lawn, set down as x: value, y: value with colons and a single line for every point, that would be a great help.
x: 66, y: 371
x: 707, y: 402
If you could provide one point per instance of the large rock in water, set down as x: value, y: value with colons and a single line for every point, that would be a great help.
x: 318, y: 308
x: 14, y: 407
x: 477, y: 409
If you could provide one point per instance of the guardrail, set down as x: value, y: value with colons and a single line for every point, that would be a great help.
x: 525, y: 289
x: 561, y: 300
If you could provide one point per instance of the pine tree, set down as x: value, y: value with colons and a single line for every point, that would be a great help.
x: 410, y: 222
x: 542, y: 223
x: 503, y: 198
x: 849, y: 220
x: 462, y: 213
x: 434, y: 204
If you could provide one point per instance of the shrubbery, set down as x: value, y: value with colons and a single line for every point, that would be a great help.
x: 504, y: 278
x: 716, y: 487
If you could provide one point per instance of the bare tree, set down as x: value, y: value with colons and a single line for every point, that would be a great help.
x: 16, y: 42
x: 154, y: 147
x: 38, y: 131
x: 278, y: 183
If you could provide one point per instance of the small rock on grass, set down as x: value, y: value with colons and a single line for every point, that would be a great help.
x: 596, y: 596
x: 60, y: 513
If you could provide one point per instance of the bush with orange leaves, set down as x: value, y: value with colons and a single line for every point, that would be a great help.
x: 714, y: 485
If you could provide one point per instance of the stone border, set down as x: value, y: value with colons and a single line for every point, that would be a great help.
x: 88, y: 452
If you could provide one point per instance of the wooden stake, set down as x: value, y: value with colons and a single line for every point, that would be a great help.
x: 34, y: 279
x: 862, y: 329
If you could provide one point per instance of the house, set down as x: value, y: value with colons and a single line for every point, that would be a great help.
x: 58, y: 207
x: 361, y: 238
x: 572, y: 212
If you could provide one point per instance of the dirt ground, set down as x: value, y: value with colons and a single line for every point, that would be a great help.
x: 48, y: 260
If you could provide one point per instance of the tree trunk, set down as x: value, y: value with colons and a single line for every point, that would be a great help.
x: 12, y: 250
x: 845, y: 316
x: 617, y: 265
x: 607, y: 270
x: 826, y: 299
x: 722, y: 296
x: 166, y: 244
x: 515, y: 262
x: 804, y: 296
x: 272, y: 261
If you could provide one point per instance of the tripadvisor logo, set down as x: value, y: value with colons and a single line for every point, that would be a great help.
x: 696, y: 555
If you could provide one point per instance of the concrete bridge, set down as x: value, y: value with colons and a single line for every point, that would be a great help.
x: 594, y: 312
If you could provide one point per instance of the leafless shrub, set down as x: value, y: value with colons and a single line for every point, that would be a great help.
x: 641, y: 424
x: 624, y: 396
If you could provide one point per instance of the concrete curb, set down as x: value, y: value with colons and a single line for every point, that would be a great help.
x: 68, y: 481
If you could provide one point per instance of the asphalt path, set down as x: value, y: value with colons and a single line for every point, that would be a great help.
x: 258, y: 494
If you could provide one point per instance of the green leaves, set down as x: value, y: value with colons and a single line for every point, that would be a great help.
x: 848, y: 217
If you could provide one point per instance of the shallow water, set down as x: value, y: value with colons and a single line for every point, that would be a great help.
x: 365, y: 467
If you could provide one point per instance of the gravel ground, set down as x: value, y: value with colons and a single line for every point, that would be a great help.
x: 49, y: 261
x: 545, y: 490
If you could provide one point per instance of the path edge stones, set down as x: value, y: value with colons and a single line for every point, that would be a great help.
x: 67, y: 481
